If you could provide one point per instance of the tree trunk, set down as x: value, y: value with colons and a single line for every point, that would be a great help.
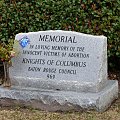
x: 6, y: 82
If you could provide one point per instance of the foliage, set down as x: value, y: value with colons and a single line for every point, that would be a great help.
x: 6, y: 51
x: 98, y: 17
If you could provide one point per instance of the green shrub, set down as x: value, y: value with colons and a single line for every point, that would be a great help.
x: 6, y: 51
x: 98, y: 17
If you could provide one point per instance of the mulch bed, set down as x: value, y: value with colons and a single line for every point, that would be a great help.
x: 114, y: 75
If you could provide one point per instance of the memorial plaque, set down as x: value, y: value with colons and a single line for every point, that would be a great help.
x: 61, y: 58
x: 60, y: 70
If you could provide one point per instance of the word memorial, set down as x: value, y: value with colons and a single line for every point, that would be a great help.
x: 60, y: 70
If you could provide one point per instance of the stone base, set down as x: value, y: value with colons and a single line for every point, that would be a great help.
x: 59, y: 100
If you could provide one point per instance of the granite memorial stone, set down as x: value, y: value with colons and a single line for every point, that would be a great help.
x: 61, y: 70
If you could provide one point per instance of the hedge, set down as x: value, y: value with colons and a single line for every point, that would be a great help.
x: 97, y: 17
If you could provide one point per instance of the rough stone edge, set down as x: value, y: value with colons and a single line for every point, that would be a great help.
x: 112, y: 94
x: 59, y: 100
x: 61, y: 31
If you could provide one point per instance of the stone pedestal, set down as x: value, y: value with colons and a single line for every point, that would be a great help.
x: 51, y: 100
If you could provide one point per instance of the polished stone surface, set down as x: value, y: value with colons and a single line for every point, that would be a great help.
x: 56, y: 59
